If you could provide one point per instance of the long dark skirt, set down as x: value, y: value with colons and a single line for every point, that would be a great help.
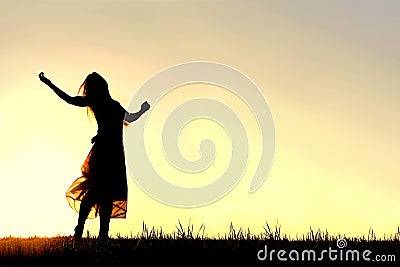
x: 104, y: 175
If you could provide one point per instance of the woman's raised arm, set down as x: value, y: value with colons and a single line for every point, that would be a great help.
x: 130, y: 117
x: 76, y: 100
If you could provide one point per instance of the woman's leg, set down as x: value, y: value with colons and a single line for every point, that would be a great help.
x: 105, y: 216
x: 86, y: 205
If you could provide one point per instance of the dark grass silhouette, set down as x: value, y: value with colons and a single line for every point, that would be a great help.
x: 189, y: 246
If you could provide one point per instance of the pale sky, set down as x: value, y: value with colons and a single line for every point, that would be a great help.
x: 328, y: 69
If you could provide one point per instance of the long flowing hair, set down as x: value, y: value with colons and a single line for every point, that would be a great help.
x: 95, y: 88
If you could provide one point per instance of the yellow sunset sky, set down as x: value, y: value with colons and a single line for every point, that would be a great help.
x: 329, y: 71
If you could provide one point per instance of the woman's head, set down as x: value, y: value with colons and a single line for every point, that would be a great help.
x: 95, y: 87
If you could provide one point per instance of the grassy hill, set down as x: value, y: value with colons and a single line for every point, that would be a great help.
x: 185, y: 248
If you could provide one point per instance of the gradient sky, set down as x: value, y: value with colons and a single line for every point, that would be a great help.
x: 328, y: 69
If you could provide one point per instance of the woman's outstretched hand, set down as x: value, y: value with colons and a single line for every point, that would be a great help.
x: 145, y: 106
x: 44, y: 79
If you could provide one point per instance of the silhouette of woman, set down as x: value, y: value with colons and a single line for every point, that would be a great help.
x: 102, y: 189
